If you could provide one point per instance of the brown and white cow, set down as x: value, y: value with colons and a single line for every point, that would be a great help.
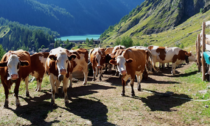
x: 15, y: 66
x: 97, y: 59
x: 171, y: 54
x: 57, y: 66
x: 38, y: 61
x: 108, y: 51
x: 80, y: 63
x: 118, y: 50
x: 130, y: 64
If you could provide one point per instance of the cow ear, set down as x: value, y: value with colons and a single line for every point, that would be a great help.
x: 113, y: 62
x: 187, y: 54
x: 72, y: 57
x: 129, y: 60
x: 24, y: 63
x: 53, y: 57
x: 3, y: 64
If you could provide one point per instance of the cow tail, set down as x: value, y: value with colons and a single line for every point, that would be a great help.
x: 147, y: 61
x: 150, y: 60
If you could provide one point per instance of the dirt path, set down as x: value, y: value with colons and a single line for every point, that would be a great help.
x: 100, y: 103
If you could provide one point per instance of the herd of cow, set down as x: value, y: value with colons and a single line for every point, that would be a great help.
x: 60, y: 63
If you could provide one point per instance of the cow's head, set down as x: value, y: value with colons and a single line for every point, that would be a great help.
x: 189, y: 57
x: 121, y: 64
x: 100, y: 57
x: 13, y: 65
x: 62, y: 61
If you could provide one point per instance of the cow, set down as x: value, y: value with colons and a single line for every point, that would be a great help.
x: 80, y: 63
x: 171, y: 54
x: 97, y: 59
x: 15, y: 66
x: 38, y: 61
x: 130, y: 63
x: 115, y: 52
x: 57, y: 66
x: 108, y: 51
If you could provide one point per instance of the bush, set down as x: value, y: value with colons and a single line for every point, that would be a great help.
x: 126, y: 41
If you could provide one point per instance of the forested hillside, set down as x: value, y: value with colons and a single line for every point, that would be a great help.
x: 67, y: 17
x: 14, y: 36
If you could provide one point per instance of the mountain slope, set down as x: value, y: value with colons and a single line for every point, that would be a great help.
x: 68, y: 17
x: 155, y: 16
x: 183, y: 36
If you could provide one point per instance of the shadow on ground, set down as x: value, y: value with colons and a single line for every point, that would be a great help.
x: 93, y: 110
x: 163, y: 101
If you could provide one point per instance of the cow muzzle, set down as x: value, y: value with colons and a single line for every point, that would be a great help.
x: 60, y: 78
x: 62, y: 71
x: 99, y: 67
x: 123, y: 72
x: 14, y: 77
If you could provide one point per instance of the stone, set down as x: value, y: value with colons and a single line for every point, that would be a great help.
x: 203, y: 91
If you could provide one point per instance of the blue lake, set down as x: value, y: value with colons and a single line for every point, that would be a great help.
x: 80, y: 37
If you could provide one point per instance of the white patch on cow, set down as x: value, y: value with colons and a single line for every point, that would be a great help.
x: 42, y: 60
x: 48, y: 61
x: 121, y: 64
x: 120, y: 46
x: 98, y: 56
x: 127, y: 76
x: 36, y: 74
x: 138, y: 73
x: 12, y: 64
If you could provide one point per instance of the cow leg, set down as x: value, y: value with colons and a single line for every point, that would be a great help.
x: 117, y: 73
x: 132, y: 91
x: 57, y: 84
x: 27, y: 91
x: 94, y: 73
x: 65, y: 83
x: 110, y: 67
x: 16, y: 90
x: 139, y: 79
x: 85, y: 72
x: 37, y: 85
x: 123, y: 90
x: 6, y: 92
x: 163, y: 65
x: 52, y: 82
x: 40, y: 86
x: 100, y: 73
x: 106, y: 67
x: 173, y: 68
x: 70, y: 78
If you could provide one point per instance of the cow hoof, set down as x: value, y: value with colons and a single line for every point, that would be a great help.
x: 27, y: 94
x: 93, y: 79
x: 133, y: 95
x: 6, y: 105
x: 101, y: 75
x: 52, y: 103
x: 18, y: 105
x: 100, y: 79
x: 66, y: 102
x: 70, y: 86
x: 84, y: 84
x: 122, y: 94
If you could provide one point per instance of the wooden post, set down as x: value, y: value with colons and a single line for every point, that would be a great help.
x: 203, y: 50
x: 198, y: 52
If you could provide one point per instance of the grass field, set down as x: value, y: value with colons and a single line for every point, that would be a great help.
x: 100, y: 103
